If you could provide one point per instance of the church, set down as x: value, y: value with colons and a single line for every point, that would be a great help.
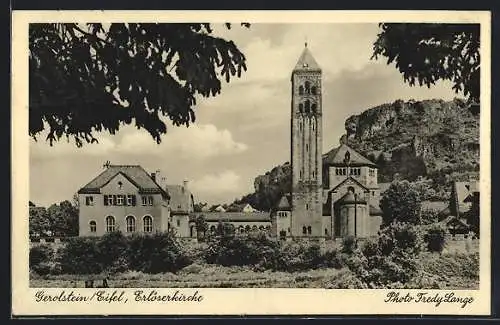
x: 333, y: 195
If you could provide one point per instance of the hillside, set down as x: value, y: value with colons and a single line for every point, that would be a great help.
x: 431, y: 138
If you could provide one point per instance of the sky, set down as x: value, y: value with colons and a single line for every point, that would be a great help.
x: 244, y: 131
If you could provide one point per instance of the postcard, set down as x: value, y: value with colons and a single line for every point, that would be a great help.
x: 251, y: 163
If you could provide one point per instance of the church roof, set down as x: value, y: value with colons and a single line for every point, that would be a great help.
x: 306, y: 62
x: 350, y: 178
x: 336, y: 156
x: 284, y: 203
x: 134, y: 173
x: 349, y: 198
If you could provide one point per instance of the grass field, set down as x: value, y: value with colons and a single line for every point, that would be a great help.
x: 446, y: 271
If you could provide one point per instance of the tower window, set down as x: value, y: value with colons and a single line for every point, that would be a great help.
x: 307, y: 147
x: 304, y: 230
x: 301, y: 90
x: 307, y: 105
x: 301, y: 107
x: 313, y: 107
x: 300, y: 174
x: 313, y: 174
x: 307, y: 206
x: 313, y: 90
x: 307, y: 85
x: 309, y: 230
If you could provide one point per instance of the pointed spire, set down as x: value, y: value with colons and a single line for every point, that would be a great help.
x: 306, y: 61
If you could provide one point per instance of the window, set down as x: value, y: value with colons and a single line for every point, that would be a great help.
x: 150, y: 200
x: 313, y: 90
x: 247, y: 228
x: 307, y: 147
x: 144, y: 200
x: 89, y: 200
x: 301, y: 90
x: 373, y: 193
x: 304, y: 230
x: 178, y: 223
x: 93, y: 226
x: 307, y: 105
x: 119, y: 200
x: 313, y: 107
x: 130, y: 221
x: 254, y: 228
x: 307, y: 206
x: 301, y: 107
x: 313, y: 174
x: 309, y: 230
x: 120, y: 185
x: 110, y: 224
x: 300, y: 125
x: 212, y: 229
x: 300, y: 174
x: 326, y: 231
x: 110, y: 200
x: 148, y: 224
x: 130, y: 199
x: 313, y: 125
x: 307, y: 85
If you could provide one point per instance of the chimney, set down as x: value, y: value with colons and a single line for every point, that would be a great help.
x: 157, y: 177
x: 153, y: 176
x: 185, y: 184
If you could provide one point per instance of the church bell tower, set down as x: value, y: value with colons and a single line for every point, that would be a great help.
x: 306, y: 147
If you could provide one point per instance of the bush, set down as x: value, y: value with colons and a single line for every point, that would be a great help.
x: 237, y: 251
x: 111, y: 250
x: 435, y: 239
x: 401, y: 202
x: 156, y: 253
x: 80, y: 255
x: 40, y: 254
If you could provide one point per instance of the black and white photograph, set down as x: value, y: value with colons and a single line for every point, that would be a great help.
x: 256, y: 154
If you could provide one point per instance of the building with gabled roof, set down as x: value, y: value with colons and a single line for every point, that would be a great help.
x: 127, y: 198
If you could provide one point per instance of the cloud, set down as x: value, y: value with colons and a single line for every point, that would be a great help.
x: 219, y: 187
x: 195, y: 141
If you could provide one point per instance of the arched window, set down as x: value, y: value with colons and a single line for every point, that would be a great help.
x: 301, y: 90
x: 282, y: 234
x: 192, y: 231
x: 110, y: 224
x: 247, y: 228
x: 254, y: 228
x: 304, y: 230
x: 212, y: 229
x: 313, y: 107
x: 301, y: 107
x: 261, y: 228
x: 307, y: 85
x: 313, y: 90
x: 241, y: 229
x: 148, y: 223
x: 309, y: 230
x: 350, y: 189
x: 93, y: 226
x: 130, y: 221
x: 307, y: 105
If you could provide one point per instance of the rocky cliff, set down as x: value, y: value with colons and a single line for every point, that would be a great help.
x: 431, y: 138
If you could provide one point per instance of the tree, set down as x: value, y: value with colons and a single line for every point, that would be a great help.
x: 401, y: 203
x: 63, y: 219
x: 201, y: 226
x: 39, y: 223
x: 473, y: 215
x: 426, y: 53
x: 89, y: 78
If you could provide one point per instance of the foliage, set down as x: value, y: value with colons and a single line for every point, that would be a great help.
x: 112, y: 248
x: 40, y: 259
x: 401, y: 202
x: 435, y: 238
x: 88, y: 78
x: 80, y: 255
x: 201, y: 226
x: 58, y: 220
x: 426, y: 53
x: 235, y: 250
x: 428, y: 216
x: 156, y: 253
x: 389, y: 260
